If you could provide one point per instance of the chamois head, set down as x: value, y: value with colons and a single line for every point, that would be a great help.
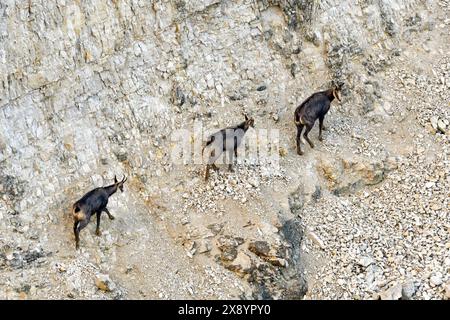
x: 119, y: 184
x: 337, y: 91
x: 249, y: 122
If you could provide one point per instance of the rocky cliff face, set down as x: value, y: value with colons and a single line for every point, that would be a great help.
x: 93, y: 89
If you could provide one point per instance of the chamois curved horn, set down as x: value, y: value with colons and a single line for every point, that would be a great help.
x: 124, y: 178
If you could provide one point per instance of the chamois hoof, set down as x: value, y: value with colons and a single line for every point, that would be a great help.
x: 299, y: 152
x: 312, y: 146
x: 98, y: 233
x: 111, y: 217
x: 320, y: 139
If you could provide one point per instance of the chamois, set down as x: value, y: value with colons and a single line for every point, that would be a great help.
x: 313, y: 108
x: 227, y: 139
x: 93, y: 202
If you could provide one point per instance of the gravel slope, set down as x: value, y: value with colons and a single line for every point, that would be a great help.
x: 392, y: 240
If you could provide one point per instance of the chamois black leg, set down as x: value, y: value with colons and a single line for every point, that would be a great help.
x: 207, y: 172
x: 305, y: 135
x: 299, y: 132
x: 77, y: 228
x: 110, y: 216
x: 210, y: 164
x: 235, y: 156
x: 320, y: 128
x: 231, y: 153
x: 97, y: 230
x: 230, y: 164
x: 77, y: 234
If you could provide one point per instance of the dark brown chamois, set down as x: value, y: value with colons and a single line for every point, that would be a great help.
x: 313, y: 108
x: 227, y: 139
x: 93, y: 202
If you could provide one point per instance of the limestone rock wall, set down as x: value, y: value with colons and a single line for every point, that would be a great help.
x: 90, y: 88
x: 84, y: 84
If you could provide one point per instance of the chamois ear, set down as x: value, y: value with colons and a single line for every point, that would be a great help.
x: 115, y: 179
